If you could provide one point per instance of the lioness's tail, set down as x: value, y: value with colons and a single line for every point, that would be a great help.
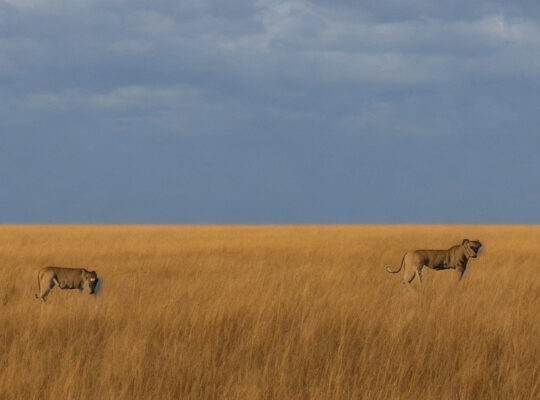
x: 389, y: 268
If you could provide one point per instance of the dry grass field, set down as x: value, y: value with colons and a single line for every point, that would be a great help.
x: 292, y: 312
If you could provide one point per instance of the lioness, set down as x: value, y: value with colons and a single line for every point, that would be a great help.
x: 456, y: 257
x: 65, y: 278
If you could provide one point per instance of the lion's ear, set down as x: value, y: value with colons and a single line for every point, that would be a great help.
x: 465, y: 241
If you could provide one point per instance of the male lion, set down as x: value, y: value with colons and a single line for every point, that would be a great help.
x: 65, y: 278
x: 456, y: 257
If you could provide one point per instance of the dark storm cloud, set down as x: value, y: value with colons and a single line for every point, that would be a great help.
x: 268, y: 111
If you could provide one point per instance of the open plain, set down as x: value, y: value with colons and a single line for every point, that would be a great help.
x: 269, y: 312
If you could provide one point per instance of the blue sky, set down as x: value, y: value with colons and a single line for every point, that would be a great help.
x: 264, y: 111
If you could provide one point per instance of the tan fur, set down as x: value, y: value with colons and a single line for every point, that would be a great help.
x: 65, y: 278
x: 456, y: 257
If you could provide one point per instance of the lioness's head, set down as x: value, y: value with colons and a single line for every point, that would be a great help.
x: 92, y: 279
x: 471, y: 247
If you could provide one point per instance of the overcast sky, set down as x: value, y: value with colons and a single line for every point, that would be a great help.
x: 343, y: 111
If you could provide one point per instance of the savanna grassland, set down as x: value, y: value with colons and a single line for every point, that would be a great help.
x: 292, y: 312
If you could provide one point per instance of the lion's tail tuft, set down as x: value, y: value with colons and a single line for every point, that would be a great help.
x: 389, y: 268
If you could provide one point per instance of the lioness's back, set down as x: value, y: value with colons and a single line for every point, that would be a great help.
x: 62, y: 271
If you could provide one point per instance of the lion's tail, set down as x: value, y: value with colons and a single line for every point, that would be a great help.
x: 389, y: 268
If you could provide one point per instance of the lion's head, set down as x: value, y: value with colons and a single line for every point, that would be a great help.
x: 92, y: 279
x: 471, y: 247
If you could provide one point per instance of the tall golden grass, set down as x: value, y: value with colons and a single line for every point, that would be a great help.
x: 292, y: 312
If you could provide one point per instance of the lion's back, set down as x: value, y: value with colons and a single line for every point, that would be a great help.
x: 62, y: 274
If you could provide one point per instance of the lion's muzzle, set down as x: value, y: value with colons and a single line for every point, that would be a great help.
x: 93, y: 284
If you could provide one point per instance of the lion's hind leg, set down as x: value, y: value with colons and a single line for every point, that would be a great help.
x: 412, y: 266
x: 45, y: 291
x: 45, y: 294
x: 408, y: 276
x: 48, y: 289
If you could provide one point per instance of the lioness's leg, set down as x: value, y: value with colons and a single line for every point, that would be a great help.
x: 45, y: 291
x: 408, y: 275
x: 460, y: 271
x: 45, y: 294
x: 49, y: 287
x: 419, y: 272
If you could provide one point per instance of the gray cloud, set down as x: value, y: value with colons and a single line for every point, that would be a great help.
x: 267, y: 100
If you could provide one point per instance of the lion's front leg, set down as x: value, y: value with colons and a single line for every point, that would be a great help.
x: 419, y: 273
x: 459, y: 272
